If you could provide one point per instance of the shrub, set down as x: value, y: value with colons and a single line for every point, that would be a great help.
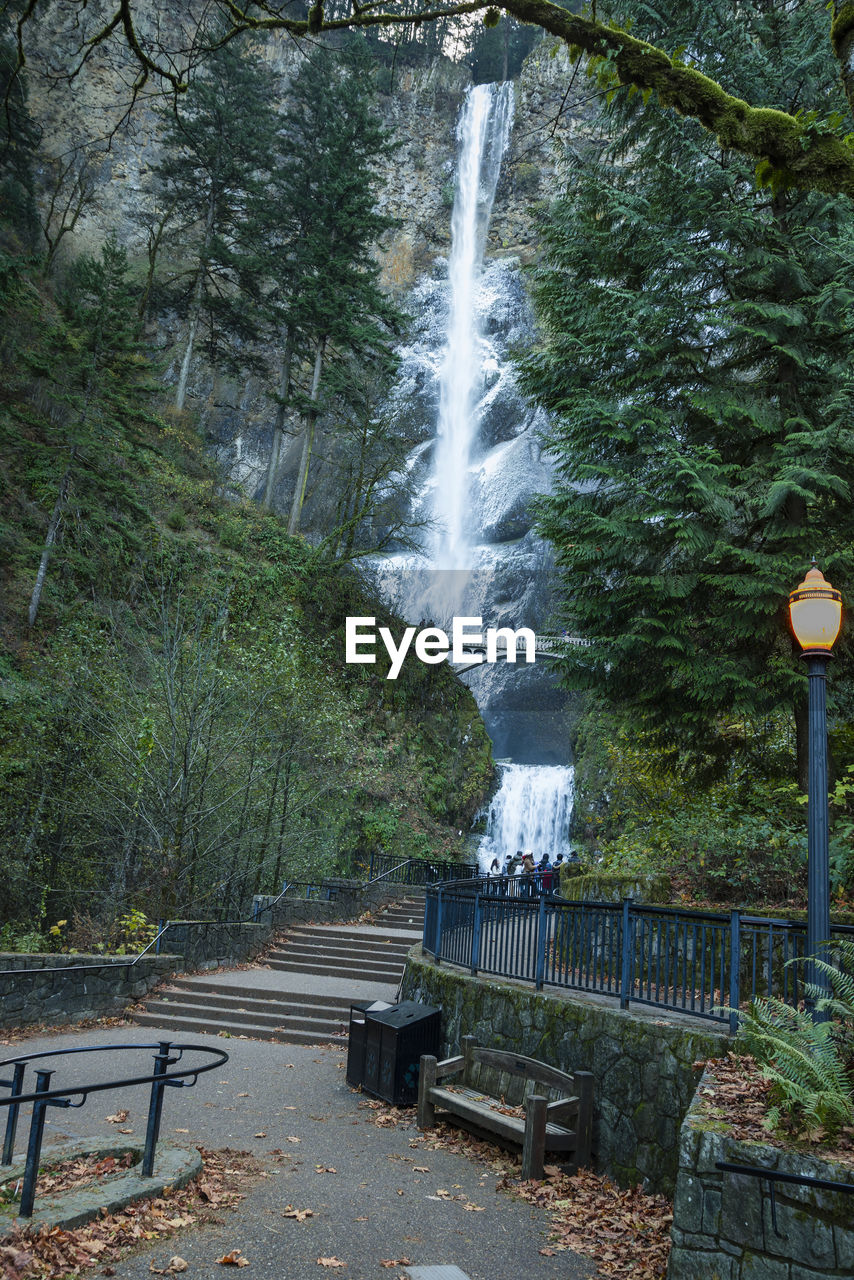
x: 810, y: 1064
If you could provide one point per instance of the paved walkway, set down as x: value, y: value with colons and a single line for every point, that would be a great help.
x: 376, y: 1205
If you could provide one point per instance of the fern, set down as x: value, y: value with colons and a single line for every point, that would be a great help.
x: 810, y: 1064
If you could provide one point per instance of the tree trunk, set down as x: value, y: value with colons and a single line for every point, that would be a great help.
x: 279, y: 424
x: 52, y: 530
x: 307, y: 442
x: 195, y: 307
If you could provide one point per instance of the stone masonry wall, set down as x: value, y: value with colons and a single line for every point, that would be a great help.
x: 643, y: 1062
x: 722, y: 1223
x: 28, y: 995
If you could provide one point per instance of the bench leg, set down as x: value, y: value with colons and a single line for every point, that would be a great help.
x: 584, y: 1123
x: 534, y: 1146
x: 426, y: 1115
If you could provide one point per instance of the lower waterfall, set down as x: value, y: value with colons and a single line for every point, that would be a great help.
x: 531, y: 810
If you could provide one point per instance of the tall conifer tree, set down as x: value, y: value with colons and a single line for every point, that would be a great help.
x: 323, y: 226
x: 695, y: 354
x: 217, y: 152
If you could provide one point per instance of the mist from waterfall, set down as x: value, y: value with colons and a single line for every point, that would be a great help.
x: 483, y: 131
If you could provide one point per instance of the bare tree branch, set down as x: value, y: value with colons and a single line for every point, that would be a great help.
x: 790, y: 150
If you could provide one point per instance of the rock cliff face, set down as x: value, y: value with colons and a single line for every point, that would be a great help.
x: 417, y: 189
x: 104, y: 159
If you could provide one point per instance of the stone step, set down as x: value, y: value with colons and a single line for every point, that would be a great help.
x: 211, y: 1026
x: 226, y: 1015
x: 263, y: 995
x: 313, y: 949
x: 376, y: 938
x: 329, y: 968
x: 281, y: 1006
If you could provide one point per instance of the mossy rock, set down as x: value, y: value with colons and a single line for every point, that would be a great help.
x: 614, y: 886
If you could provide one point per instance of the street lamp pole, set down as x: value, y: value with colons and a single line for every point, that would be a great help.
x: 815, y: 609
x: 818, y: 861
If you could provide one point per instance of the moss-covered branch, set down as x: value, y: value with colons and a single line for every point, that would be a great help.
x: 788, y: 149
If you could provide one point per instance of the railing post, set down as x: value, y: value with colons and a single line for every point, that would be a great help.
x: 155, y: 1108
x: 34, y: 1146
x: 626, y: 969
x: 17, y: 1087
x: 734, y: 968
x: 542, y: 929
x: 437, y: 954
x: 475, y: 934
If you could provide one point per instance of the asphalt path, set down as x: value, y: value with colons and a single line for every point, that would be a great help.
x: 387, y: 1199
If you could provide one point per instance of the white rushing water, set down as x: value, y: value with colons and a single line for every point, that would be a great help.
x: 474, y: 481
x: 531, y: 810
x: 483, y: 131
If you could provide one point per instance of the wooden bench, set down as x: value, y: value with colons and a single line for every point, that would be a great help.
x: 562, y: 1125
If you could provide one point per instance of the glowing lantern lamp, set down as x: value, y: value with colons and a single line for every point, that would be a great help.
x: 815, y: 610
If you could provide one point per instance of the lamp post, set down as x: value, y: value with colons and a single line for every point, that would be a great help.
x: 815, y: 610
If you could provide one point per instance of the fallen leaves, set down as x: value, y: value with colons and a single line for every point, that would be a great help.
x: 738, y: 1095
x: 627, y: 1232
x: 172, y: 1267
x: 45, y: 1253
x: 118, y: 1118
x: 324, y: 1168
x: 233, y: 1259
x: 72, y: 1174
x: 395, y: 1262
x: 330, y: 1262
x: 300, y: 1214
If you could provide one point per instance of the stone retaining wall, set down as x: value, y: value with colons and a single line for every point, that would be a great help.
x: 643, y: 1061
x: 73, y: 995
x: 722, y: 1222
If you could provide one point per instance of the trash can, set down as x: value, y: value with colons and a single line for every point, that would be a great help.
x: 357, y: 1039
x: 394, y: 1042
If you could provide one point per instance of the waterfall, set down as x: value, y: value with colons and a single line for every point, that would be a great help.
x: 481, y: 557
x: 531, y: 810
x: 483, y: 131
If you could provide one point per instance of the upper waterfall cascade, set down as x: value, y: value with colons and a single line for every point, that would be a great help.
x: 482, y: 135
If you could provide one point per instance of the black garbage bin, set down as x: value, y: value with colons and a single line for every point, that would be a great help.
x: 356, y: 1041
x: 395, y: 1039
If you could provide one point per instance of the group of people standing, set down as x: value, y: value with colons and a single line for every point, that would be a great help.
x: 542, y: 876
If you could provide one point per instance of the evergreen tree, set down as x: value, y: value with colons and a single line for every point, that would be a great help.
x: 696, y: 356
x: 217, y: 150
x: 93, y: 380
x: 323, y: 225
x: 19, y: 141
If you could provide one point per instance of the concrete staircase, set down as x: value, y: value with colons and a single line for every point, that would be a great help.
x: 303, y: 991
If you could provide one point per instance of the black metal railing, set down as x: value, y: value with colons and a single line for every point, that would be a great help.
x: 416, y: 871
x: 43, y: 1096
x: 695, y: 962
x: 165, y: 927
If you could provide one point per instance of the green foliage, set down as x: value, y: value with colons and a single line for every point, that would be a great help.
x: 180, y: 729
x: 19, y: 139
x: 695, y: 355
x: 811, y: 1064
x: 739, y: 838
x: 217, y: 153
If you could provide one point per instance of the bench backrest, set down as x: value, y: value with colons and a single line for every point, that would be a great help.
x: 512, y: 1076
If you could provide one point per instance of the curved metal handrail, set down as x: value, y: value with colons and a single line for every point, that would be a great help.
x: 44, y: 1097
